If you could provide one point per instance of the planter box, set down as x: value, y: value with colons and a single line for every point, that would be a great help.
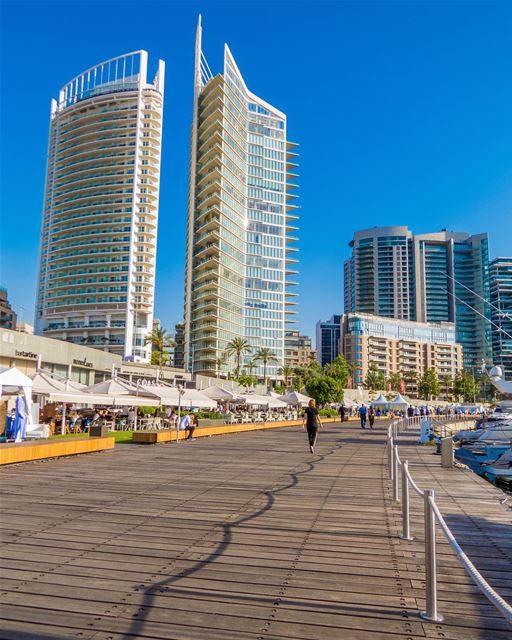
x: 97, y: 431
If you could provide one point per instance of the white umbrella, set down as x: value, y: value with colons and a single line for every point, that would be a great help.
x: 398, y: 403
x: 380, y: 401
x: 294, y: 397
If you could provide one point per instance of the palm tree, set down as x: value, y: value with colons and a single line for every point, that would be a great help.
x: 159, y: 340
x: 265, y: 355
x: 238, y: 347
x: 219, y: 363
x: 251, y: 366
x: 353, y: 368
x: 287, y: 373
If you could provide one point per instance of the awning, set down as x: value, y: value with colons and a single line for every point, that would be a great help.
x: 294, y: 397
x: 75, y: 397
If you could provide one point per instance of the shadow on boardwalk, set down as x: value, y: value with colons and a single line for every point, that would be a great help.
x: 167, y: 585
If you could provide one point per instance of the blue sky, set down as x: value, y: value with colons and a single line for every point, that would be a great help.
x: 402, y: 111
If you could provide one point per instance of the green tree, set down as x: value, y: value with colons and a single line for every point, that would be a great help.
x: 429, y: 387
x: 287, y: 373
x: 160, y: 341
x: 375, y: 378
x: 353, y: 368
x: 339, y: 370
x: 219, y: 363
x: 465, y: 386
x: 237, y: 347
x: 324, y: 389
x: 246, y: 380
x: 265, y: 355
x: 395, y: 381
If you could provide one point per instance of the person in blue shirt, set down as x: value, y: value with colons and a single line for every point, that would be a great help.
x: 362, y: 415
x: 187, y: 423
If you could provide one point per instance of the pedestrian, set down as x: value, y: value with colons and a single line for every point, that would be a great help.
x: 187, y: 424
x: 312, y: 422
x: 342, y: 412
x: 362, y: 415
x: 371, y: 417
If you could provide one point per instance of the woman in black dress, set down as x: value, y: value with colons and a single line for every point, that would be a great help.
x: 312, y: 422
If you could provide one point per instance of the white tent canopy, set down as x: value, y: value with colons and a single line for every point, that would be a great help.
x: 256, y: 400
x: 398, y: 403
x: 117, y: 387
x: 294, y: 397
x: 380, y: 401
x: 221, y: 395
x: 170, y: 396
x: 12, y: 381
x: 78, y: 397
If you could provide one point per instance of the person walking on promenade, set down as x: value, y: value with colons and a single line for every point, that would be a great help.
x: 371, y: 417
x: 342, y: 412
x: 312, y: 422
x: 362, y: 415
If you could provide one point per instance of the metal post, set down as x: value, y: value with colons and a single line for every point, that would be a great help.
x: 391, y: 462
x: 179, y: 416
x: 406, y: 527
x: 395, y: 474
x: 430, y: 560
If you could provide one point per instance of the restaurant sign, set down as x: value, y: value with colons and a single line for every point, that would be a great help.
x: 83, y: 363
x: 26, y: 354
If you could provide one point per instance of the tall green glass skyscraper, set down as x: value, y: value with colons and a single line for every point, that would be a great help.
x: 240, y: 221
x: 500, y: 274
x: 434, y: 277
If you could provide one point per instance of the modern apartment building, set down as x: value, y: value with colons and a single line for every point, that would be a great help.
x: 298, y: 350
x: 500, y: 275
x: 328, y: 340
x: 434, y: 277
x: 8, y: 317
x: 100, y: 214
x: 400, y: 346
x: 240, y: 219
x: 179, y: 349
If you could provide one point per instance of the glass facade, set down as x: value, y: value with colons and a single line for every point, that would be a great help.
x: 238, y: 246
x: 500, y: 273
x: 98, y: 238
x: 426, y: 278
x: 328, y: 340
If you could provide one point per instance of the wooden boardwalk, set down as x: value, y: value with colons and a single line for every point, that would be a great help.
x: 246, y: 537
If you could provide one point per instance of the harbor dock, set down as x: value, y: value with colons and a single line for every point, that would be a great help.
x: 246, y: 536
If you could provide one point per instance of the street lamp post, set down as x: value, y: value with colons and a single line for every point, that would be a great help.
x: 181, y: 391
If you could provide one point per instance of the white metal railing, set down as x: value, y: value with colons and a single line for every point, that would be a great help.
x: 431, y: 514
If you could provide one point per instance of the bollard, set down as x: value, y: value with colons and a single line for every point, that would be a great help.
x: 395, y: 474
x: 431, y: 613
x: 391, y: 463
x: 406, y: 528
x: 447, y: 452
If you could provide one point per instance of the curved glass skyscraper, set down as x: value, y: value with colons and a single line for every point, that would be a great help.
x: 241, y: 213
x: 98, y: 239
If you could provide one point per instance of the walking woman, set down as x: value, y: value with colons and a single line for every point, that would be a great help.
x: 312, y: 422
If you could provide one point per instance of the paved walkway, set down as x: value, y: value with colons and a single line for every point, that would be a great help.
x: 242, y: 537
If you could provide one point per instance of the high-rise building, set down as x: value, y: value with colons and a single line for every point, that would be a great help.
x: 400, y: 346
x: 8, y: 316
x: 500, y: 275
x: 179, y: 348
x: 328, y: 340
x: 298, y: 350
x: 98, y: 238
x: 379, y: 275
x: 434, y: 277
x: 239, y: 250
